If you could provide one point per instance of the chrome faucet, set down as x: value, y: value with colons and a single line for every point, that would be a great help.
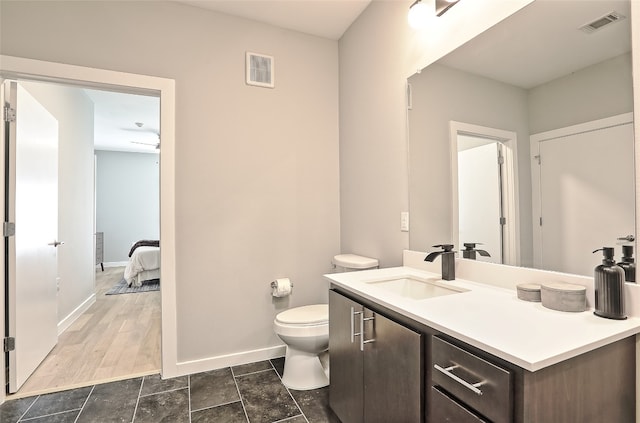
x: 448, y: 260
x: 470, y: 251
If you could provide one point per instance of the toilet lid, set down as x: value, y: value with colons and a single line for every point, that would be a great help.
x: 354, y: 261
x: 306, y: 315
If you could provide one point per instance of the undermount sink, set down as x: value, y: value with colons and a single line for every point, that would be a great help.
x: 415, y: 287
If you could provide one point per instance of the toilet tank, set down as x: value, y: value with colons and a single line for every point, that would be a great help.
x: 353, y: 262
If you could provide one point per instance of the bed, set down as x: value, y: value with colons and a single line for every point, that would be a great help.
x: 143, y: 264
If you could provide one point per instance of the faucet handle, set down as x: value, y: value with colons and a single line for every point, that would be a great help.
x: 471, y: 245
x: 446, y: 247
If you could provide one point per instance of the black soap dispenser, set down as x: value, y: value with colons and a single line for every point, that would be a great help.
x: 628, y: 263
x: 609, y: 287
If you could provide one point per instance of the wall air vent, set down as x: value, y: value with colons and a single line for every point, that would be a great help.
x: 601, y: 22
x: 260, y: 70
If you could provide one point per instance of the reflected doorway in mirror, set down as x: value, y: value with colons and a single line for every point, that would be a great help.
x: 484, y: 187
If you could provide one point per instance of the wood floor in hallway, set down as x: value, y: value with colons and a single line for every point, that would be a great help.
x: 116, y: 338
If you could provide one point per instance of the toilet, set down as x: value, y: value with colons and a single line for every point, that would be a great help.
x: 305, y: 331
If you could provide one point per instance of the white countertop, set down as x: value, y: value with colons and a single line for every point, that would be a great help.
x: 494, y: 319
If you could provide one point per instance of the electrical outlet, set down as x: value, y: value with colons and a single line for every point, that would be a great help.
x: 404, y: 221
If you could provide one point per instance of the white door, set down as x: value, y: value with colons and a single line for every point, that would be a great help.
x: 479, y: 200
x: 587, y: 197
x: 32, y: 198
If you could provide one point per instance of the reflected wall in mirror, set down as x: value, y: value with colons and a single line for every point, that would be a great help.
x: 565, y: 96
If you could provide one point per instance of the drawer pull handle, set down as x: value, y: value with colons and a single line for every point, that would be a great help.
x: 353, y: 329
x: 362, y: 320
x: 471, y: 386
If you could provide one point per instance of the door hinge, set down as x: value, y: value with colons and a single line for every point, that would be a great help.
x: 9, y: 113
x: 9, y: 343
x: 540, y: 221
x: 8, y: 229
x: 500, y: 158
x: 503, y: 221
x: 538, y: 158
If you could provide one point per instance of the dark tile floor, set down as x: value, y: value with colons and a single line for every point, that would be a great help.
x: 248, y: 393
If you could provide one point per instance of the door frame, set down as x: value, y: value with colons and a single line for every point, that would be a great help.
x: 36, y: 70
x: 510, y: 191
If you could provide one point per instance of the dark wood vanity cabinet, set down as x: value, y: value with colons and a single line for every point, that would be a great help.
x: 376, y: 365
x: 594, y: 387
x: 390, y: 375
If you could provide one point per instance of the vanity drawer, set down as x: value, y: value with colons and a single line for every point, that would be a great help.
x: 473, y: 381
x: 445, y: 409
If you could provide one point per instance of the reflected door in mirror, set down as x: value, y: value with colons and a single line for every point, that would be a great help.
x: 479, y: 195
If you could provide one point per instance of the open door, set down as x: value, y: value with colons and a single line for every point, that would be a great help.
x: 480, y: 195
x: 32, y: 205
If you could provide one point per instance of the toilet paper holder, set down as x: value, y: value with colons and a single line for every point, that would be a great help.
x: 274, y: 284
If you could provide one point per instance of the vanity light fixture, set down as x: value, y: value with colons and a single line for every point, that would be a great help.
x: 444, y: 5
x: 419, y: 11
x: 418, y: 14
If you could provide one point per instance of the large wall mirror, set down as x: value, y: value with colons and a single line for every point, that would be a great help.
x: 522, y: 139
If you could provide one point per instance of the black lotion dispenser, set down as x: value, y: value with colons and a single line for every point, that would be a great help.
x: 609, y: 287
x: 628, y: 263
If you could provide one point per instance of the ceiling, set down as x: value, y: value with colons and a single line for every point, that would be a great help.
x: 115, y: 117
x: 324, y: 18
x: 543, y: 42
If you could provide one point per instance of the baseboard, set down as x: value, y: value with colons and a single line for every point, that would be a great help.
x: 219, y: 362
x: 73, y: 316
x: 115, y: 264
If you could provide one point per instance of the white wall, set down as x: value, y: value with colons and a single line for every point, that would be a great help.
x: 256, y: 168
x: 74, y: 112
x: 377, y: 54
x: 127, y: 200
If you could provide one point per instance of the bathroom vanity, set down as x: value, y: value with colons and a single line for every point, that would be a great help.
x: 461, y: 351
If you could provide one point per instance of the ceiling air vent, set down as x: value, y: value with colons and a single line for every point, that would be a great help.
x: 600, y: 23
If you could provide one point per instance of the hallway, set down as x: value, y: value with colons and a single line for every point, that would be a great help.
x: 117, y: 337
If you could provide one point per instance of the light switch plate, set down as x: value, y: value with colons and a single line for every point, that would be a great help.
x: 404, y: 221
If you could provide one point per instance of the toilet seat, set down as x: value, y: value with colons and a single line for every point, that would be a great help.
x: 355, y: 262
x: 311, y: 315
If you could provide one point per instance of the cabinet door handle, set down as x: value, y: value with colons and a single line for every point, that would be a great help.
x: 353, y: 324
x: 471, y: 386
x: 362, y: 320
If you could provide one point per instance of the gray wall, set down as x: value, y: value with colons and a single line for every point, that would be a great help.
x: 596, y: 92
x: 74, y: 112
x: 127, y: 200
x: 257, y: 182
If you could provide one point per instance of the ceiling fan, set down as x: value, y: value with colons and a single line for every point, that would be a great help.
x: 141, y: 129
x: 156, y: 144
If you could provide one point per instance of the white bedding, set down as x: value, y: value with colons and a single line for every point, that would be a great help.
x: 142, y: 260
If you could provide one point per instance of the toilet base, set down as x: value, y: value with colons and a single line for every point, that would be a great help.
x: 303, y: 371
